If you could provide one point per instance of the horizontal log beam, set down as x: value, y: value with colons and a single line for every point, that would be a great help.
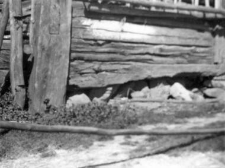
x: 94, y: 34
x: 96, y: 74
x: 104, y: 51
x: 120, y: 26
x: 166, y: 22
x: 147, y: 58
x: 117, y: 10
x: 135, y: 49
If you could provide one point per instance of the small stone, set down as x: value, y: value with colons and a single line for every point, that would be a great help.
x: 197, y: 97
x: 159, y: 89
x: 221, y: 98
x: 138, y: 95
x: 214, y: 92
x: 77, y: 99
x: 179, y: 92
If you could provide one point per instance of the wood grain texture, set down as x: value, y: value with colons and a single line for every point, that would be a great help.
x: 95, y: 34
x: 104, y: 51
x: 16, y: 56
x: 34, y: 41
x: 166, y: 22
x: 4, y: 20
x: 115, y: 9
x: 127, y: 49
x: 219, y: 45
x: 51, y: 54
x: 124, y: 26
x: 177, y: 6
x: 98, y: 74
x: 4, y: 59
x: 2, y: 76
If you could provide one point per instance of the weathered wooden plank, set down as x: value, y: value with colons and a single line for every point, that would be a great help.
x: 4, y: 59
x: 185, y: 7
x: 81, y: 9
x: 219, y: 45
x: 5, y: 54
x: 25, y: 26
x: 94, y: 34
x: 16, y: 57
x: 51, y: 54
x: 115, y: 9
x: 147, y: 58
x: 78, y: 9
x: 6, y: 45
x: 133, y: 49
x: 4, y: 20
x: 2, y: 76
x: 96, y: 74
x: 121, y: 26
x: 168, y: 22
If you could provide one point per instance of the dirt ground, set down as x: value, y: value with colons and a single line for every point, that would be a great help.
x: 195, y: 151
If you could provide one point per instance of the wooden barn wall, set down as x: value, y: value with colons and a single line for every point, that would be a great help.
x: 113, y: 49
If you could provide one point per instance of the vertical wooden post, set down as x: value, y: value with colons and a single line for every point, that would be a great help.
x: 207, y: 3
x: 4, y: 20
x: 219, y: 44
x: 218, y: 4
x: 16, y: 56
x: 196, y: 2
x: 51, y: 49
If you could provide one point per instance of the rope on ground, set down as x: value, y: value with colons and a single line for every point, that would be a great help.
x: 109, y: 132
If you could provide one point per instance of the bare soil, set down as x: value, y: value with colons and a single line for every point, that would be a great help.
x: 36, y: 150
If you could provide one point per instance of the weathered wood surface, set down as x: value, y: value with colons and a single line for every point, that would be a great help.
x: 16, y: 55
x: 118, y: 51
x: 4, y: 20
x: 179, y: 8
x: 4, y: 59
x: 166, y: 22
x: 219, y: 44
x: 98, y: 74
x: 34, y: 42
x: 51, y: 49
x: 117, y: 39
x: 176, y: 6
x: 2, y: 76
x: 124, y: 26
x: 5, y: 54
x: 113, y: 9
x: 112, y: 49
x: 95, y: 34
